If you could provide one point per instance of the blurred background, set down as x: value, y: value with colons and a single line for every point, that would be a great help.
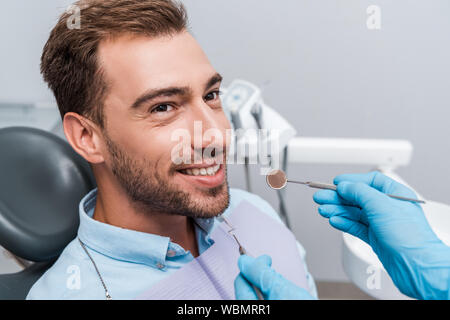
x: 319, y: 65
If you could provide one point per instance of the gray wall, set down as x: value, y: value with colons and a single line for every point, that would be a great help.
x: 24, y: 29
x: 327, y: 73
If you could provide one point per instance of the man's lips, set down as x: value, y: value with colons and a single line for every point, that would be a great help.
x: 208, y: 181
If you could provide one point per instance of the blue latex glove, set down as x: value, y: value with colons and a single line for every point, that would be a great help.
x: 272, y: 284
x: 398, y: 232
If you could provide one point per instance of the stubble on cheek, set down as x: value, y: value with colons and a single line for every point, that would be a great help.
x: 151, y: 189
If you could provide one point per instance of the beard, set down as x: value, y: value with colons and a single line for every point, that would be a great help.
x: 151, y: 192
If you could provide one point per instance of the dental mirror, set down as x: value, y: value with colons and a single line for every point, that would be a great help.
x: 276, y: 179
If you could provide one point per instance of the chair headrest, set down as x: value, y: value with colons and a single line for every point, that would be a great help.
x: 42, y: 180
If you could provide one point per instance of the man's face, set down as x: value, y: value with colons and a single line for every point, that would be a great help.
x: 158, y: 86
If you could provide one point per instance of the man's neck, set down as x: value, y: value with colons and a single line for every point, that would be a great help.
x: 115, y: 209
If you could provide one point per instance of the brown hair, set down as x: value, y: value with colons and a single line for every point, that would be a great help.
x: 69, y: 60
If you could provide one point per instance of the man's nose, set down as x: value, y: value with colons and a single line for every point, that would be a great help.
x: 207, y: 124
x: 209, y: 117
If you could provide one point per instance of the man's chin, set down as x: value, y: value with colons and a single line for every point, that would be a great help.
x: 211, y: 202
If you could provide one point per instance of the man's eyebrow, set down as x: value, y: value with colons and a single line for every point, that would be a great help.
x: 172, y: 91
x: 214, y: 79
x: 166, y: 92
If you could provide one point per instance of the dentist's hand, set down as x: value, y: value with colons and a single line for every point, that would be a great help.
x: 272, y: 285
x: 398, y: 232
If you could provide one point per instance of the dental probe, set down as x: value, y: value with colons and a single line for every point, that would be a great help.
x: 277, y: 180
x: 242, y: 251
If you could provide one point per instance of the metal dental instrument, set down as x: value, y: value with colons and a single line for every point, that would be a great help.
x: 277, y: 180
x: 242, y: 251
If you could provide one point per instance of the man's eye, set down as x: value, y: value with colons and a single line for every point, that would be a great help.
x: 213, y: 95
x: 162, y: 108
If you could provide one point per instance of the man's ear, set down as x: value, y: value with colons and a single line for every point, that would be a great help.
x: 84, y: 137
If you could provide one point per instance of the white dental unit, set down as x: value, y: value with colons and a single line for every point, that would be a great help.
x: 246, y: 108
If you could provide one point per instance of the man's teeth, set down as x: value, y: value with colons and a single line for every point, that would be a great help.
x: 210, y: 171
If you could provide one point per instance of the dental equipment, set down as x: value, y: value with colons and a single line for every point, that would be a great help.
x: 277, y: 180
x: 247, y: 111
x: 242, y: 251
x: 257, y: 113
x: 240, y: 98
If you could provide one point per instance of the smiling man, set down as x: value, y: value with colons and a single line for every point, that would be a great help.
x: 124, y: 82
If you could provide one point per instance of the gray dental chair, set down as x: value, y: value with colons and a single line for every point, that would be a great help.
x: 42, y: 181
